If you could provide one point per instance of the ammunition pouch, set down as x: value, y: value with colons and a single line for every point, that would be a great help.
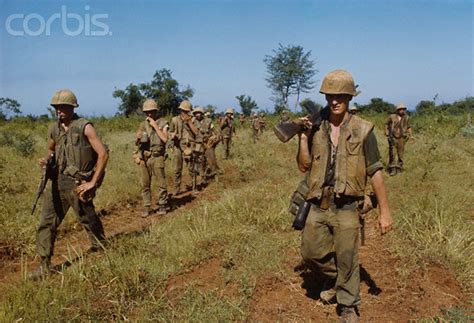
x: 298, y: 197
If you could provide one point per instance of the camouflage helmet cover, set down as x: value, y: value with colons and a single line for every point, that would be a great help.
x: 150, y: 105
x: 338, y: 82
x: 64, y: 97
x: 229, y: 111
x: 185, y: 105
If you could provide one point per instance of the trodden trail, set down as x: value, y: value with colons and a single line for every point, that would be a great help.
x: 290, y: 294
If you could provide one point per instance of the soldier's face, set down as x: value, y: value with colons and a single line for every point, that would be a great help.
x: 198, y: 116
x: 338, y: 103
x: 64, y: 112
x: 401, y: 111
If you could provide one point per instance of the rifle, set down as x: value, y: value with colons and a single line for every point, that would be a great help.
x: 46, y: 174
x: 288, y: 129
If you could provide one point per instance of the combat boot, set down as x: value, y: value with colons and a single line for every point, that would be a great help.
x: 146, y: 212
x: 161, y: 210
x: 43, y: 271
x: 349, y: 315
x: 328, y: 294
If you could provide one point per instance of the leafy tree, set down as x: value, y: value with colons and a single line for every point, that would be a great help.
x: 7, y: 106
x: 377, y: 105
x: 246, y: 104
x: 132, y: 100
x: 426, y: 107
x: 162, y: 88
x: 290, y: 71
x: 210, y: 108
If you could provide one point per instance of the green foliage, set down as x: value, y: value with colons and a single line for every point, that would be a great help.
x: 163, y: 88
x: 426, y: 107
x: 7, y: 106
x: 247, y: 104
x: 377, y: 105
x: 290, y: 72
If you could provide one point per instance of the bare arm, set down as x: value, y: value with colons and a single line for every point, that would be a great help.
x: 162, y: 133
x: 385, y: 219
x: 102, y: 156
x: 51, y: 146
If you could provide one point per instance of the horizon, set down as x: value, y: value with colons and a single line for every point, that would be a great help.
x: 400, y: 51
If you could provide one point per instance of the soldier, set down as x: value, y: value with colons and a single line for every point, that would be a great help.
x: 151, y: 141
x: 255, y: 127
x: 242, y: 119
x: 398, y: 131
x: 227, y: 130
x: 338, y: 158
x: 182, y: 133
x: 263, y: 122
x: 80, y: 159
x: 353, y: 110
x: 285, y: 116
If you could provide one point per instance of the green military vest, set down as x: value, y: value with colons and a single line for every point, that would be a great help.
x: 350, y: 174
x: 75, y: 156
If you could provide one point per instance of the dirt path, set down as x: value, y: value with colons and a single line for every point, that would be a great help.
x: 292, y: 294
x: 289, y: 295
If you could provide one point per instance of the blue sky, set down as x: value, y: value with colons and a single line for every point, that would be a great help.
x: 398, y: 50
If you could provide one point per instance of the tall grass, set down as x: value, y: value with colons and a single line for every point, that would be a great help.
x: 245, y: 226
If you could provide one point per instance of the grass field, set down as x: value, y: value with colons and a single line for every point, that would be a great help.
x: 241, y: 219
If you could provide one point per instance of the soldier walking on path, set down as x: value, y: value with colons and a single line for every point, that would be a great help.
x: 398, y: 132
x: 151, y: 141
x: 80, y: 158
x: 338, y: 158
x: 227, y: 130
x: 182, y: 133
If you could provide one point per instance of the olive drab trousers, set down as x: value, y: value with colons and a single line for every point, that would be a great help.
x: 227, y: 142
x: 58, y: 198
x: 397, y: 147
x: 330, y: 243
x: 178, y: 160
x: 154, y: 166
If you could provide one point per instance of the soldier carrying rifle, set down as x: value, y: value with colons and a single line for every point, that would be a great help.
x: 338, y: 156
x: 398, y: 132
x: 80, y: 159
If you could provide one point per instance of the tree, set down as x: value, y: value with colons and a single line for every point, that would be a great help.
x: 210, y: 108
x: 163, y: 89
x: 132, y: 100
x: 7, y: 106
x: 246, y: 104
x: 377, y: 105
x: 290, y: 71
x: 426, y: 107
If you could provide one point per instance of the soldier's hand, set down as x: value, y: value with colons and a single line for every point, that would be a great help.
x: 42, y: 162
x: 385, y: 221
x: 83, y: 188
x: 152, y: 122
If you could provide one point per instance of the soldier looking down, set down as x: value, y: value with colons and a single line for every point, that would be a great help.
x: 151, y: 141
x: 80, y: 158
x: 338, y: 159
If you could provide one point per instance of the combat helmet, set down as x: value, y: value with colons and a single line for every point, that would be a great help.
x: 400, y: 106
x: 150, y: 105
x: 229, y: 111
x: 185, y: 105
x: 198, y: 110
x: 353, y: 108
x: 64, y: 97
x: 338, y: 82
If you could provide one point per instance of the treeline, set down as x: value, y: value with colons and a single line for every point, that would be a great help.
x: 424, y: 107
